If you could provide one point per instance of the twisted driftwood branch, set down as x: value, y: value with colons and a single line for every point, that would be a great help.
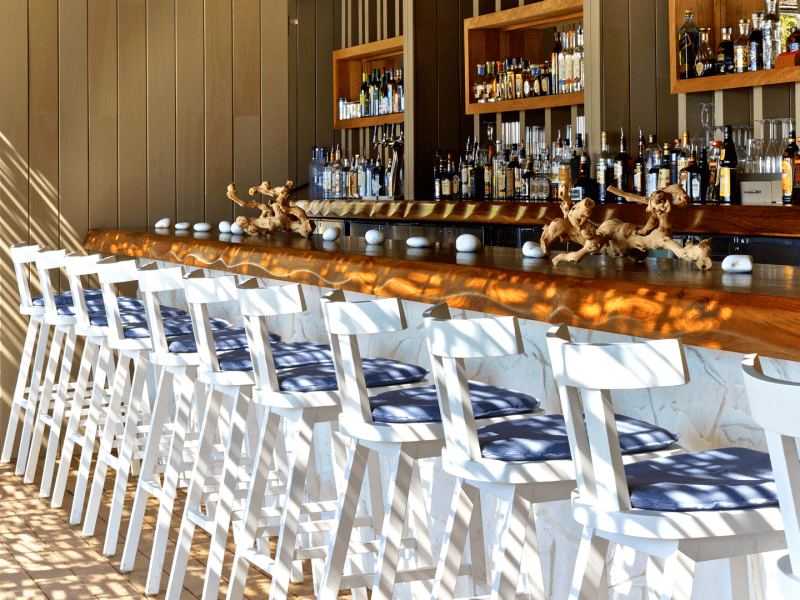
x: 278, y: 214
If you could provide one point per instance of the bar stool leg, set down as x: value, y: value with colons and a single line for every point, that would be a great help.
x: 590, y: 577
x: 678, y: 577
x: 32, y: 406
x: 19, y: 391
x: 740, y: 580
x: 43, y: 408
x: 459, y: 520
x: 477, y: 544
x: 512, y: 543
x: 533, y: 561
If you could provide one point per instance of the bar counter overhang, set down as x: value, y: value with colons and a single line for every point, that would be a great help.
x: 660, y: 298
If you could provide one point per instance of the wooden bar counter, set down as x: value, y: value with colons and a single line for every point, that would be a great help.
x: 658, y: 299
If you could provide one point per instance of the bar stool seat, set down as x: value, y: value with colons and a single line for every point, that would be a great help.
x: 285, y: 356
x: 544, y: 438
x: 421, y: 404
x: 234, y: 338
x: 378, y: 372
x: 65, y: 298
x: 725, y: 479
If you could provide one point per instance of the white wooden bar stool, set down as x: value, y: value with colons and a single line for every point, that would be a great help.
x: 774, y: 405
x: 679, y: 510
x: 522, y: 461
x: 34, y: 350
x: 179, y: 374
x: 53, y: 405
x: 229, y: 431
x: 303, y: 396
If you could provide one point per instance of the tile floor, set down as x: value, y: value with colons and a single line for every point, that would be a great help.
x: 43, y: 557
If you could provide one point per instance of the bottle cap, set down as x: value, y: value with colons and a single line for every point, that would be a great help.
x: 727, y: 130
x: 688, y: 11
x: 526, y: 64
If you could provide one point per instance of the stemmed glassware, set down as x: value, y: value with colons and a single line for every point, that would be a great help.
x: 773, y: 151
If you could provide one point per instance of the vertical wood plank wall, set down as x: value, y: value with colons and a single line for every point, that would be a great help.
x: 117, y: 113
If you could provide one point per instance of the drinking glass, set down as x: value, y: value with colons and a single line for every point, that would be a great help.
x: 773, y: 152
x: 755, y: 156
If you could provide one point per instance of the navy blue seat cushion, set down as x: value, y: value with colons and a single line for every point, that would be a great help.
x: 725, y: 479
x: 131, y: 317
x: 97, y: 306
x: 228, y: 339
x: 544, y: 437
x: 420, y: 404
x: 172, y: 327
x: 377, y: 372
x: 65, y: 298
x: 286, y: 356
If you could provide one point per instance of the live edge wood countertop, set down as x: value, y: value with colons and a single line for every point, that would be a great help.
x: 758, y: 312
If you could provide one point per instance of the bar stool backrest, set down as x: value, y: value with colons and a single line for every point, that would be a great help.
x: 596, y: 369
x: 23, y: 254
x: 775, y: 406
x: 344, y: 321
x: 200, y: 292
x: 48, y: 260
x: 152, y: 281
x: 450, y: 341
x: 257, y: 304
x: 110, y: 273
x: 80, y: 265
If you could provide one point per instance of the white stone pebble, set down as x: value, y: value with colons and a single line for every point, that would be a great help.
x: 202, y: 226
x: 236, y: 230
x: 418, y: 242
x: 224, y: 227
x: 182, y: 226
x: 532, y: 250
x: 738, y: 263
x: 164, y: 223
x: 331, y: 234
x: 375, y: 236
x: 468, y: 243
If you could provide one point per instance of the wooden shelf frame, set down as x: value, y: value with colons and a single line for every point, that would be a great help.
x: 515, y: 32
x: 716, y: 14
x: 348, y: 66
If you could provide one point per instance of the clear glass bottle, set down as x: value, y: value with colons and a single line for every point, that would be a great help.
x: 555, y: 60
x: 688, y: 39
x: 510, y: 86
x: 604, y: 170
x: 773, y: 33
x: 577, y: 62
x: 519, y: 77
x: 755, y: 53
x: 336, y: 176
x: 652, y: 159
x: 569, y: 54
x: 554, y: 179
x: 564, y: 165
x: 741, y: 48
x: 562, y: 66
x: 490, y: 86
x: 477, y: 86
x: 705, y: 62
x: 725, y: 62
x: 623, y: 168
x: 640, y: 169
x: 665, y: 172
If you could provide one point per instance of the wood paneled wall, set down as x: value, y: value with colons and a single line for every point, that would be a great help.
x: 117, y: 113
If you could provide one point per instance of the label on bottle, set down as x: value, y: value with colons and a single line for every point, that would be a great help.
x: 511, y: 185
x: 576, y: 195
x: 753, y: 56
x: 695, y: 188
x: 601, y: 176
x: 437, y: 188
x: 652, y: 183
x: 724, y: 182
x: 520, y: 89
x: 524, y: 188
x: 685, y: 50
x: 721, y: 62
x: 740, y: 58
x: 446, y: 185
x: 465, y: 182
x: 682, y: 179
x: 637, y: 179
x: 526, y: 88
x: 793, y: 47
x: 326, y: 182
x: 618, y: 173
x: 487, y: 181
x: 787, y: 176
x: 545, y: 89
x: 664, y: 175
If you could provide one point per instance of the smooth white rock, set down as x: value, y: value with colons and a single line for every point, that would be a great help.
x: 202, y: 226
x: 224, y: 227
x: 418, y: 242
x: 375, y: 236
x: 164, y: 223
x: 468, y: 243
x: 738, y: 263
x: 332, y: 234
x: 182, y: 226
x: 532, y: 250
x: 236, y: 230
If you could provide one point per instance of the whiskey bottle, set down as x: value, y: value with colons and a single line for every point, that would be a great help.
x: 437, y: 176
x: 677, y: 159
x: 501, y: 80
x: 705, y: 63
x: 447, y: 179
x: 640, y: 170
x: 788, y: 171
x: 755, y: 53
x: 509, y: 85
x: 688, y: 37
x: 545, y: 80
x: 477, y: 181
x: 488, y: 175
x: 729, y: 192
x: 583, y: 184
x: 500, y: 176
x: 773, y: 34
x: 692, y: 179
x: 604, y: 170
x: 652, y: 158
x: 665, y: 172
x: 703, y: 171
x: 741, y: 48
x: 725, y: 52
x: 463, y: 167
x: 623, y: 168
x: 555, y: 59
x: 684, y: 154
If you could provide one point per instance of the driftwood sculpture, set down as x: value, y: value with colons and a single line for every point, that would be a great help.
x: 617, y: 239
x: 278, y: 214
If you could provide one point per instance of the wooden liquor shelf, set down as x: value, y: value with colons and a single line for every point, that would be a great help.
x: 516, y: 32
x: 348, y: 66
x: 717, y: 14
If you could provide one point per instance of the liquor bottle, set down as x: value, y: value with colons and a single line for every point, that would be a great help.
x: 313, y: 167
x: 544, y: 177
x: 378, y: 179
x: 363, y: 96
x: 569, y: 53
x: 788, y: 170
x: 490, y: 87
x: 500, y: 88
x: 677, y: 158
x: 555, y: 59
x: 345, y: 178
x: 712, y: 195
x: 519, y: 77
x: 705, y: 63
x: 437, y: 176
x: 623, y: 168
x: 564, y: 165
x: 545, y: 80
x: 665, y: 172
x: 508, y: 85
x: 528, y: 181
x: 336, y: 176
x: 604, y: 170
x: 692, y: 179
x: 577, y: 62
x: 773, y: 34
x: 478, y: 181
x: 511, y: 169
x: 527, y: 79
x: 401, y: 98
x: 793, y: 41
x: 725, y: 62
x: 554, y: 164
x: 562, y: 65
x: 352, y: 178
x: 729, y: 192
x: 392, y: 92
x: 755, y: 53
x: 640, y: 169
x: 519, y: 171
x: 447, y: 179
x: 703, y: 171
x: 652, y: 159
x: 327, y: 174
x: 575, y: 158
x: 488, y: 175
x: 684, y: 154
x: 500, y: 176
x: 583, y: 184
x: 688, y: 37
x: 741, y: 48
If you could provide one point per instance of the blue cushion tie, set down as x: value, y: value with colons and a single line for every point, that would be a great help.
x: 285, y: 356
x: 229, y: 339
x: 378, y: 372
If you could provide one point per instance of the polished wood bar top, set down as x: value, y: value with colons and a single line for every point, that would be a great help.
x: 758, y: 312
x: 780, y: 221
